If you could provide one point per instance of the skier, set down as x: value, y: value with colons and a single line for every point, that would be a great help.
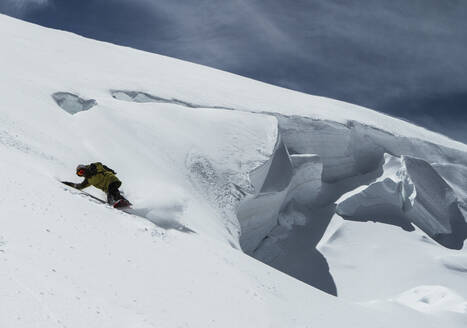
x: 101, y: 177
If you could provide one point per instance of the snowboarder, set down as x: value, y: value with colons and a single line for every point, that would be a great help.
x: 101, y: 177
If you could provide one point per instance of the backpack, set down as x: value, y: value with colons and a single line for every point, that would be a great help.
x: 98, y: 167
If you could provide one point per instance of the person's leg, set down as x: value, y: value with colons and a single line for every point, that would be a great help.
x: 113, y: 193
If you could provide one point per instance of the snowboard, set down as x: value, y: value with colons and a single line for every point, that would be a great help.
x: 120, y: 204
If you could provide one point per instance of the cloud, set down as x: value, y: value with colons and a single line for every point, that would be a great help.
x: 20, y: 8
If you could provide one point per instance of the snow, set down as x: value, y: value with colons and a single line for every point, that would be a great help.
x: 456, y: 262
x: 433, y: 299
x: 217, y: 166
x: 409, y: 191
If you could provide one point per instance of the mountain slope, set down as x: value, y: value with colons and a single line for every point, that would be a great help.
x: 192, y: 145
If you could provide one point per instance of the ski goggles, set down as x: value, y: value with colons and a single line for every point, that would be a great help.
x: 80, y: 172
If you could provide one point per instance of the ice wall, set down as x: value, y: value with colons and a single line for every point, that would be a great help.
x: 258, y: 213
x: 409, y: 191
x: 371, y: 174
x: 353, y: 149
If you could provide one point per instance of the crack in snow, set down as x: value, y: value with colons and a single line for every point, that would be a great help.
x: 72, y: 103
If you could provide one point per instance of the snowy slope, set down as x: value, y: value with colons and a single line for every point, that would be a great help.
x: 245, y: 165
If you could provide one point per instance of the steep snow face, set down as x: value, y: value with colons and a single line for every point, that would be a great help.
x: 258, y: 214
x: 238, y: 164
x: 456, y: 176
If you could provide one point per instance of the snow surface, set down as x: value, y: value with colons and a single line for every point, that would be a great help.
x: 242, y: 167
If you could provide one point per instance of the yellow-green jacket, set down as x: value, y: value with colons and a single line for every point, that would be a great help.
x: 99, y: 176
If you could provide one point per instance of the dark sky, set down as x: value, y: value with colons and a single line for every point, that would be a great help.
x: 407, y: 58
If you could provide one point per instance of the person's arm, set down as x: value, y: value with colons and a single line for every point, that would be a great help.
x: 79, y: 186
x: 82, y: 185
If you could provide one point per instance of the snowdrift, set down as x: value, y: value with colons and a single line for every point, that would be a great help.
x: 248, y: 167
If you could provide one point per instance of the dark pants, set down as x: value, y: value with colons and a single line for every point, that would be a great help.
x: 113, y: 193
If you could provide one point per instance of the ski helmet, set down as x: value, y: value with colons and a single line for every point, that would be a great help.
x: 81, y: 170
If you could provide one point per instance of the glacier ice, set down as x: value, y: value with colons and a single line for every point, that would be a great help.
x: 354, y: 148
x: 340, y: 155
x: 258, y: 213
x: 409, y: 191
x: 371, y: 175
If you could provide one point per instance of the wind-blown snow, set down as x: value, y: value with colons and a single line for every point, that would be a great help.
x: 216, y: 166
